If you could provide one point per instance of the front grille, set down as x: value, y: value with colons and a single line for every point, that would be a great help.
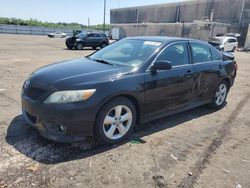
x: 33, y: 93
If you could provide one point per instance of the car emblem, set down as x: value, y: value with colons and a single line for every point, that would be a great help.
x: 26, y: 84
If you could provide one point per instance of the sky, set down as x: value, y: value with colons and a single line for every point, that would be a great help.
x: 67, y: 10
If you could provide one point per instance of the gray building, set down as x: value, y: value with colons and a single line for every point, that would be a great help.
x: 195, y: 18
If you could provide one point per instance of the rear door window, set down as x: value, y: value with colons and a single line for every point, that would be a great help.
x: 215, y: 56
x: 200, y: 53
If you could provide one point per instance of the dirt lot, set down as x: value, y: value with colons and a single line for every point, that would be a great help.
x: 198, y: 148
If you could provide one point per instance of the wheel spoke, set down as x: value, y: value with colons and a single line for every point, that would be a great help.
x: 126, y: 116
x: 221, y: 88
x: 122, y: 130
x: 109, y: 120
x: 118, y: 111
x: 110, y: 132
x: 223, y: 91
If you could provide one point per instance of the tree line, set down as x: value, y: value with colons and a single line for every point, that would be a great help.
x: 35, y: 22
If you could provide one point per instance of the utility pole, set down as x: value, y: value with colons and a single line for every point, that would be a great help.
x: 212, y: 23
x: 104, y: 16
x: 242, y: 12
x: 88, y: 24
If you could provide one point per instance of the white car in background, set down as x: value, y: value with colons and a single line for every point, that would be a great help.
x: 57, y: 35
x: 224, y: 43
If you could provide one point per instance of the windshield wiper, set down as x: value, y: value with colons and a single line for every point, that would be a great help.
x: 102, y: 61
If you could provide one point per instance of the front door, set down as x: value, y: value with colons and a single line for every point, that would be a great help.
x: 90, y: 40
x: 170, y: 89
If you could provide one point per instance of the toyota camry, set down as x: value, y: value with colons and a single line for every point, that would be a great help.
x: 127, y: 83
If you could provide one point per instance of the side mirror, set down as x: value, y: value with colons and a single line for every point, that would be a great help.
x: 161, y: 65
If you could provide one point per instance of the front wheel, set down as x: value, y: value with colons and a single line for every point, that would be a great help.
x: 115, y: 121
x: 79, y: 46
x: 103, y: 45
x: 220, y: 95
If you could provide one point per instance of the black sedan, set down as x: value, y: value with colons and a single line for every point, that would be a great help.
x: 132, y: 81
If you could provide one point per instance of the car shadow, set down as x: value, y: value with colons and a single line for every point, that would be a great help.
x: 27, y: 140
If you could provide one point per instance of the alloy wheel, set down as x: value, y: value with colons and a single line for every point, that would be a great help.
x: 79, y: 46
x: 221, y: 94
x: 117, y: 122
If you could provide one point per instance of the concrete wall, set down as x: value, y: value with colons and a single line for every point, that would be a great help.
x: 247, y: 44
x: 225, y: 10
x: 188, y: 30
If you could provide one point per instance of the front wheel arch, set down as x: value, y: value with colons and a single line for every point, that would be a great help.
x: 227, y: 80
x: 127, y: 96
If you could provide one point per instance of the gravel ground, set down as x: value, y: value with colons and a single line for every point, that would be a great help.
x: 197, y: 148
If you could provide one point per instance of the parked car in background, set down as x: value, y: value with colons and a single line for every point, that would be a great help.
x: 87, y: 39
x: 57, y: 35
x: 224, y: 43
x: 236, y: 35
x: 131, y: 81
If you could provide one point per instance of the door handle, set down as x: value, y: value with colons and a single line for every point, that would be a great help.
x: 189, y: 73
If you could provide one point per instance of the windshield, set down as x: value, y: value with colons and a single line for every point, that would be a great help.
x: 80, y: 35
x: 218, y: 40
x: 127, y: 52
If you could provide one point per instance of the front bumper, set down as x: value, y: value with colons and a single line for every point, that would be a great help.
x: 60, y: 122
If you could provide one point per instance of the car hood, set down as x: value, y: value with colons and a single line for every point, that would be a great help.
x: 77, y: 72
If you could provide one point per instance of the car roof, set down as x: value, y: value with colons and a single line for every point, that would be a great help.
x: 95, y: 33
x: 164, y: 39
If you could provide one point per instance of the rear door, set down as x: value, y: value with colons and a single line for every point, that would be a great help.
x: 207, y: 65
x: 172, y: 89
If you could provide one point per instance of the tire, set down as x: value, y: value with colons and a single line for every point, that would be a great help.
x: 70, y: 47
x: 234, y: 48
x: 103, y: 45
x: 79, y: 46
x: 222, y: 49
x: 220, y: 95
x: 94, y: 48
x: 115, y: 129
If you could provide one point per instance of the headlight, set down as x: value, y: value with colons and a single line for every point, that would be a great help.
x: 69, y: 96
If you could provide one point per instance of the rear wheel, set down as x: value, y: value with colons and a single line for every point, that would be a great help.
x: 220, y: 95
x: 234, y: 48
x: 79, y: 46
x: 115, y: 121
